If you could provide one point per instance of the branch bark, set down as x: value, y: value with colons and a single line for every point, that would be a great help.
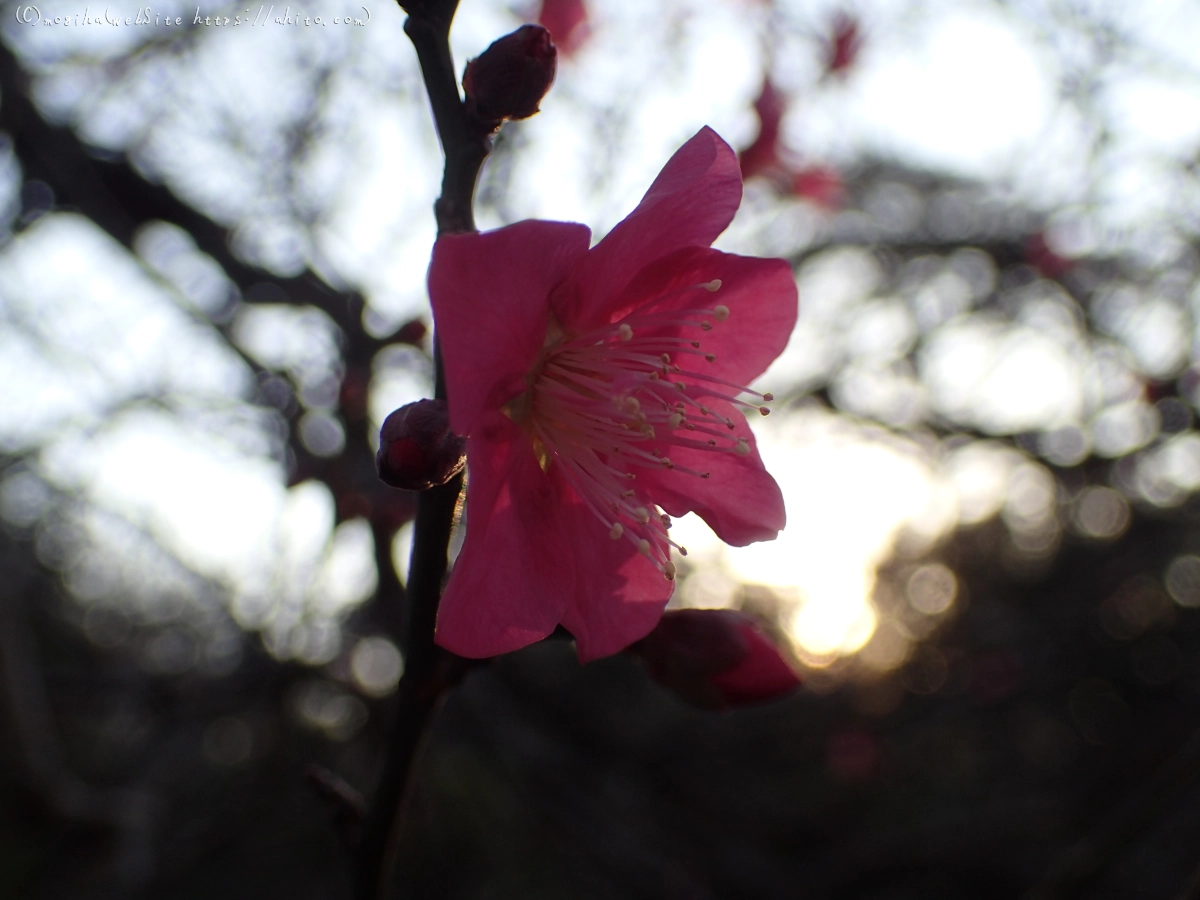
x: 429, y: 671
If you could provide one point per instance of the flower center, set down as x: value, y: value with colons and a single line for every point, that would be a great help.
x: 614, y: 400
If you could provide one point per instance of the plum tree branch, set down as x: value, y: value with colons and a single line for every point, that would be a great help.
x: 428, y: 670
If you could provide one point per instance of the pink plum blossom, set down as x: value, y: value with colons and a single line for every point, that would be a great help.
x: 600, y: 390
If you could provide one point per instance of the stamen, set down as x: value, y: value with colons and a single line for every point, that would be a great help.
x: 603, y: 403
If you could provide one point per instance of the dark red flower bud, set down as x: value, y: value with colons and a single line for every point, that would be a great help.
x: 412, y: 332
x: 510, y: 78
x: 417, y: 449
x: 716, y: 658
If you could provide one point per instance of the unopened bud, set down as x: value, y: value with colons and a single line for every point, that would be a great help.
x: 510, y: 78
x: 716, y: 658
x: 417, y: 449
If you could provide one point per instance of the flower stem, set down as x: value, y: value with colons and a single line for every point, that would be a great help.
x: 428, y: 671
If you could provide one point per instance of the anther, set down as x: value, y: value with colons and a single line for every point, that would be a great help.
x: 674, y: 419
x: 768, y: 396
x: 616, y: 531
x: 721, y: 313
x: 710, y: 357
x: 644, y: 547
x: 669, y: 571
x: 642, y: 514
x: 763, y: 411
x: 632, y: 405
x: 712, y: 286
x: 666, y: 358
x: 741, y: 448
x: 625, y: 332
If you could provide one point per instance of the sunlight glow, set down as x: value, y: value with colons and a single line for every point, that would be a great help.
x: 849, y: 497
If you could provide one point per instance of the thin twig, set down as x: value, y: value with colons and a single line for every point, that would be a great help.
x: 428, y: 670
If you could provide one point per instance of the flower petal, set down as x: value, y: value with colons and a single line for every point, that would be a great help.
x: 760, y: 295
x: 489, y: 293
x: 692, y: 201
x: 619, y: 594
x: 515, y: 572
x: 739, y: 500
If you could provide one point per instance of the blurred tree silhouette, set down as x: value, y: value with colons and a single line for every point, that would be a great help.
x: 211, y: 295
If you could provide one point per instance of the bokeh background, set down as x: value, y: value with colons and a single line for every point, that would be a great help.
x: 213, y: 243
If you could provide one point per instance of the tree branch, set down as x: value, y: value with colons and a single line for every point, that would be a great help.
x: 429, y: 672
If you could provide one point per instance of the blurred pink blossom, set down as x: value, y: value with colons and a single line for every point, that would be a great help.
x: 763, y: 156
x: 768, y: 158
x: 567, y: 22
x: 844, y: 44
x: 822, y: 185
